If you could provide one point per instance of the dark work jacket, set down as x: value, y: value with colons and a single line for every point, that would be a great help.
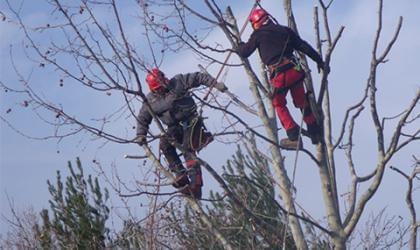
x: 176, y: 104
x: 275, y: 41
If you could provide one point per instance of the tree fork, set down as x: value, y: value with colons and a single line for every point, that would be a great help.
x: 278, y: 164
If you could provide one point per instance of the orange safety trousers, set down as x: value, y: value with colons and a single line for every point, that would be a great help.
x: 291, y: 79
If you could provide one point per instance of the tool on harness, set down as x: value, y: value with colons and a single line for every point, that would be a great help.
x: 283, y: 65
x: 280, y: 68
x: 196, y: 136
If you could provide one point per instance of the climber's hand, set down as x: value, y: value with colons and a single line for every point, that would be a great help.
x: 220, y: 86
x: 140, y: 139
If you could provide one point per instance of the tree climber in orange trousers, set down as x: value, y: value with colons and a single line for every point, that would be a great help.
x: 276, y: 44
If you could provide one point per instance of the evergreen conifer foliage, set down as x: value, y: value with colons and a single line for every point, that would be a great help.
x: 248, y: 177
x: 132, y: 236
x: 79, y: 212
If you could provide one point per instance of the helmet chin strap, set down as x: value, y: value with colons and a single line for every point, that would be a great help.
x: 164, y: 86
x: 266, y: 21
x: 160, y: 91
x: 262, y: 24
x: 165, y: 83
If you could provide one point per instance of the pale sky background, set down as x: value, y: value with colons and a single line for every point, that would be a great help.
x: 26, y: 164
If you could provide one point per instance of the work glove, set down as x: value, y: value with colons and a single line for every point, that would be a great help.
x: 220, y: 86
x: 140, y: 139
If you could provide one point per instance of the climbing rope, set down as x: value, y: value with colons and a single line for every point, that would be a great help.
x: 230, y: 52
x: 293, y: 177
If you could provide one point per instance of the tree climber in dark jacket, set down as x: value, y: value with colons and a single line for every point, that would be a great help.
x: 276, y: 44
x: 171, y: 102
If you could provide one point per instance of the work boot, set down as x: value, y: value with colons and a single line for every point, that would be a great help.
x: 181, y: 177
x: 286, y: 143
x: 314, y: 133
x: 195, y: 179
x: 293, y: 141
x: 293, y: 133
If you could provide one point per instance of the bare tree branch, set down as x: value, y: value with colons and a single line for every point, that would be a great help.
x: 410, y: 204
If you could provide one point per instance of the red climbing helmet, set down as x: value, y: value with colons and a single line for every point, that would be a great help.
x: 155, y: 79
x: 258, y: 17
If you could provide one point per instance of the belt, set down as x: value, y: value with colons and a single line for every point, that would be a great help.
x: 281, y: 66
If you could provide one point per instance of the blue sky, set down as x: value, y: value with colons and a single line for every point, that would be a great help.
x: 26, y: 164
